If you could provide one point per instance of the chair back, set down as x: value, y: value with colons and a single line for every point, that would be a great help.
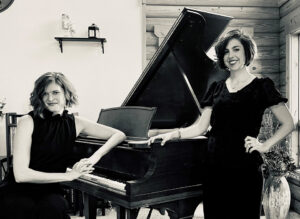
x: 10, y: 129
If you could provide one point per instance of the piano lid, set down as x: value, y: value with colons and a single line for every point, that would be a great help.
x: 180, y: 72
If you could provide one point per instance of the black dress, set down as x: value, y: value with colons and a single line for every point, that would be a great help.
x: 52, y: 141
x: 233, y: 180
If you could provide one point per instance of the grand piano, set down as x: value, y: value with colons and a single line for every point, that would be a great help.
x: 167, y: 178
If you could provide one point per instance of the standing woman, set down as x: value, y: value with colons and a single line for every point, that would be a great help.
x: 42, y: 151
x: 234, y: 109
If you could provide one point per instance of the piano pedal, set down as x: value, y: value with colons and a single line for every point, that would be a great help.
x: 102, y: 206
x: 149, y: 214
x: 162, y: 211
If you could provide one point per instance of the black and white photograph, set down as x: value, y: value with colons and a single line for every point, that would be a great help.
x: 150, y: 109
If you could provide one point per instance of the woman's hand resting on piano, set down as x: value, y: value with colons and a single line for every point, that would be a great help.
x: 166, y: 137
x: 81, y: 167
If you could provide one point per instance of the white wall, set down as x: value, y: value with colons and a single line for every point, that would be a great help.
x: 28, y: 49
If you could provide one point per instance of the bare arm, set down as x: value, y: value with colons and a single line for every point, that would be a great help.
x: 113, y: 136
x: 286, y: 126
x: 21, y: 159
x: 198, y: 128
x: 154, y: 132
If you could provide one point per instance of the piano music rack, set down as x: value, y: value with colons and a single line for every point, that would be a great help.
x: 61, y: 39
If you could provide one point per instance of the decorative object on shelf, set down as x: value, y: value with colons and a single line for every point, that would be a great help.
x: 5, y: 4
x: 2, y: 104
x: 93, y: 31
x: 61, y: 39
x: 277, y: 165
x: 67, y: 25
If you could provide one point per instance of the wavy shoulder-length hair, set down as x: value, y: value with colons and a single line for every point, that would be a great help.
x: 247, y: 42
x: 36, y: 96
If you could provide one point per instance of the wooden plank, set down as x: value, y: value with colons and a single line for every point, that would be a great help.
x: 151, y: 22
x: 259, y: 66
x: 266, y: 39
x: 282, y: 65
x: 295, y: 205
x: 288, y: 7
x: 260, y: 26
x: 161, y: 31
x: 151, y: 39
x: 268, y: 52
x: 282, y: 51
x: 269, y: 26
x: 236, y: 12
x: 282, y: 90
x: 240, y: 3
x: 282, y: 38
x: 282, y: 79
x: 290, y: 21
x: 282, y: 2
x: 261, y: 39
x: 150, y: 51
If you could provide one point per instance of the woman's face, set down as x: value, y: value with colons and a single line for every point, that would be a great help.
x: 54, y: 98
x: 234, y: 56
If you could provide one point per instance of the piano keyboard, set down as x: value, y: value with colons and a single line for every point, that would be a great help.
x: 103, y: 182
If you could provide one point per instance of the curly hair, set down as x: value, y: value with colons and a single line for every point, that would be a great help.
x: 36, y: 96
x: 247, y: 42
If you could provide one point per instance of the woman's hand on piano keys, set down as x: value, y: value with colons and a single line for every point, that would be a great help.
x: 166, y: 137
x: 80, y: 168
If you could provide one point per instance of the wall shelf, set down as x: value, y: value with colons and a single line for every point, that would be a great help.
x: 61, y: 39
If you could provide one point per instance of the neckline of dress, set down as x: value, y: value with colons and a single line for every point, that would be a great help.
x: 241, y: 88
x: 49, y: 115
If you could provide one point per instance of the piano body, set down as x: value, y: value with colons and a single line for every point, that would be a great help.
x: 132, y: 176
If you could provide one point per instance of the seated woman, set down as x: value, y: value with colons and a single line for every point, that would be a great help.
x: 42, y: 151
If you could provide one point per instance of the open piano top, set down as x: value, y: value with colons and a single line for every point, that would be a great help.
x: 180, y: 72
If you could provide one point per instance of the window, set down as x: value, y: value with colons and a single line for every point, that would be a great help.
x: 293, y: 90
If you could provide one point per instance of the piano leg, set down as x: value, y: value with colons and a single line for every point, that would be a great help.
x: 124, y: 213
x: 181, y: 208
x: 90, y: 206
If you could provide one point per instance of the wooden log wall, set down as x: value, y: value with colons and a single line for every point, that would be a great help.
x: 289, y: 12
x: 259, y: 17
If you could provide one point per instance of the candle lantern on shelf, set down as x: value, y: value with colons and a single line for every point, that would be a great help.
x: 93, y: 31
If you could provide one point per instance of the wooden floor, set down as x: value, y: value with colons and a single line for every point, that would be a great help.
x: 111, y: 214
x: 143, y: 213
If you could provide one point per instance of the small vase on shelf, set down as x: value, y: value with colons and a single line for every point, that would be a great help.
x: 276, y: 197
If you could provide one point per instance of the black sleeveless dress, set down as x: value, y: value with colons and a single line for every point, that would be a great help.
x: 52, y: 140
x: 233, y: 180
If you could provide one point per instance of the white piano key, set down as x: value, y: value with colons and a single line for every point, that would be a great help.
x: 104, y: 182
